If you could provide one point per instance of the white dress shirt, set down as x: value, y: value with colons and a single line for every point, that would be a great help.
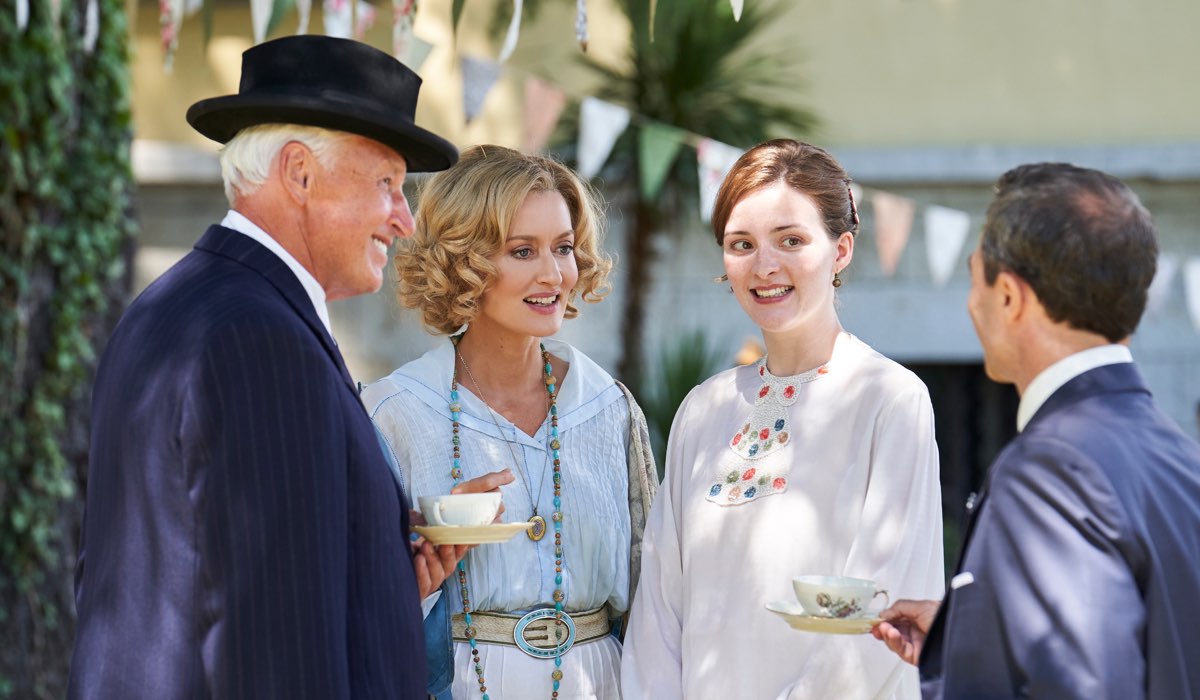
x: 238, y: 222
x: 1050, y: 379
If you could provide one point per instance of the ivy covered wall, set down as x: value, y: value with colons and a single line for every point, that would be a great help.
x: 66, y: 230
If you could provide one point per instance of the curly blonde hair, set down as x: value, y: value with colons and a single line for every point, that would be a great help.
x: 464, y: 216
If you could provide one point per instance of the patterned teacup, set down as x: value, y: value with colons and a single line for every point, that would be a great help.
x: 460, y: 508
x: 836, y: 596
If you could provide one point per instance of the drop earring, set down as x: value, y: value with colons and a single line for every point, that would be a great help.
x: 837, y: 280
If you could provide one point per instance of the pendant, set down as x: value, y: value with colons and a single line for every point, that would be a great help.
x: 538, y: 531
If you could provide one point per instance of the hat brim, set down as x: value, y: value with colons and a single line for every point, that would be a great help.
x: 221, y: 118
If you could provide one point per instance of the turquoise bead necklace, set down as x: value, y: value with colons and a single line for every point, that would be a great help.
x: 456, y: 474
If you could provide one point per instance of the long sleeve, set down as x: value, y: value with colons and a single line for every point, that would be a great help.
x: 652, y: 662
x: 898, y: 544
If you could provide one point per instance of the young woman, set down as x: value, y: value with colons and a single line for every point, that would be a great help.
x: 505, y: 244
x: 819, y: 459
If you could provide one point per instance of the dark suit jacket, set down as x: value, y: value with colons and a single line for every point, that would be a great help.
x: 243, y: 535
x: 1085, y: 553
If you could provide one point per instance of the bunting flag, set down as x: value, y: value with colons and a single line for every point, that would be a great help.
x: 479, y: 75
x: 658, y: 145
x: 893, y: 222
x: 581, y: 34
x: 713, y: 160
x: 303, y: 11
x: 737, y: 9
x: 402, y: 28
x: 1156, y: 296
x: 600, y: 123
x: 338, y: 18
x: 514, y: 30
x: 260, y: 18
x: 364, y: 19
x: 544, y: 103
x: 170, y: 16
x: 945, y: 234
x: 1191, y: 288
x: 418, y: 51
x: 91, y: 26
x: 22, y: 15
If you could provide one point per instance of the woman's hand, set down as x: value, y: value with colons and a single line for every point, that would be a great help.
x: 904, y: 627
x: 488, y: 483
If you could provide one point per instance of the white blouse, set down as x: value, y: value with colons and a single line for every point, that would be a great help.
x: 411, y: 409
x: 836, y: 475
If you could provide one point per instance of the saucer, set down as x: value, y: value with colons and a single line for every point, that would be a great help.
x: 471, y: 534
x: 795, y: 616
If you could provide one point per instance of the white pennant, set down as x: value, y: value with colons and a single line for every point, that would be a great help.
x: 402, y: 28
x: 600, y: 124
x: 339, y: 20
x: 945, y: 233
x: 1191, y: 286
x: 22, y: 15
x: 514, y: 30
x: 365, y: 18
x: 303, y: 11
x: 737, y: 9
x: 1156, y: 296
x: 479, y: 75
x: 713, y: 160
x: 581, y: 34
x: 91, y: 26
x: 260, y: 17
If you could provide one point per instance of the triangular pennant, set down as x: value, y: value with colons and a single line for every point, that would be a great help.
x: 600, y: 123
x: 338, y: 18
x: 479, y: 75
x: 713, y: 161
x: 514, y: 30
x: 418, y: 51
x: 364, y: 18
x: 22, y: 15
x: 1156, y: 296
x: 170, y: 16
x: 260, y: 17
x: 946, y: 232
x: 658, y: 144
x: 543, y: 105
x: 1191, y: 287
x: 303, y: 12
x: 91, y: 26
x: 893, y: 223
x: 581, y: 34
x: 402, y: 28
x: 737, y: 9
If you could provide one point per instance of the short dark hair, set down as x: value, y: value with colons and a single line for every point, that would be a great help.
x: 1080, y: 238
x: 803, y: 167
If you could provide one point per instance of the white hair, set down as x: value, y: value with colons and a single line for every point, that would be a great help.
x: 246, y: 160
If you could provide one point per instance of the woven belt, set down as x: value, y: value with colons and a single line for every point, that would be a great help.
x: 536, y: 629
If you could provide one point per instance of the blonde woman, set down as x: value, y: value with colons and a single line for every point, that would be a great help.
x: 506, y: 245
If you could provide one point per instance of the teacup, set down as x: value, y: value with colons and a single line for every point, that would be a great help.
x: 460, y: 508
x: 836, y: 596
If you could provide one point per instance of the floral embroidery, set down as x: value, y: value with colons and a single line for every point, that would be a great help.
x: 762, y: 434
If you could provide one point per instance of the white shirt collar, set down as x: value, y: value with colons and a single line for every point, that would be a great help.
x: 1053, y: 377
x: 238, y: 222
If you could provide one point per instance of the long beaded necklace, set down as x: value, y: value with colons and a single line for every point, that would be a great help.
x: 557, y: 518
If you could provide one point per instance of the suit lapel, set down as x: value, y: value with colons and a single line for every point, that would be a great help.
x: 249, y: 252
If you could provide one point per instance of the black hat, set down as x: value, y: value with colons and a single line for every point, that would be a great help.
x: 331, y: 83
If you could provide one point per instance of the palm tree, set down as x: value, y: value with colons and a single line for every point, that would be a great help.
x: 708, y: 74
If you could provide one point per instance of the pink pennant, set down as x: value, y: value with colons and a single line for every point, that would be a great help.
x: 893, y: 222
x: 543, y: 105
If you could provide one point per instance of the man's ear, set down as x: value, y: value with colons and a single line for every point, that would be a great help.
x: 1016, y: 295
x: 297, y: 169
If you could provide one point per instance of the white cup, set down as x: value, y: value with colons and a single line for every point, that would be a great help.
x: 460, y: 508
x: 836, y: 596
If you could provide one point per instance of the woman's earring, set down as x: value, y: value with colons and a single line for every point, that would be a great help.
x: 837, y: 280
x: 722, y: 278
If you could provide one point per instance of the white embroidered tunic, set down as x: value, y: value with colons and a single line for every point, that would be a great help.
x: 411, y: 409
x: 831, y: 472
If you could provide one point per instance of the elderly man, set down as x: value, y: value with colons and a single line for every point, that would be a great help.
x: 1081, y: 563
x: 244, y: 537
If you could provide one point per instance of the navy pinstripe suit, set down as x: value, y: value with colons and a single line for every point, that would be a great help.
x: 243, y: 536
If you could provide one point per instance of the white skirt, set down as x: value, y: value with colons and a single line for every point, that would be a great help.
x: 590, y: 671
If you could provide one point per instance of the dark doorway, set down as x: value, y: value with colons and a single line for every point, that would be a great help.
x: 973, y: 418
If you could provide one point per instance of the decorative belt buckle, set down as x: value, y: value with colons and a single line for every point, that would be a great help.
x: 538, y: 626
